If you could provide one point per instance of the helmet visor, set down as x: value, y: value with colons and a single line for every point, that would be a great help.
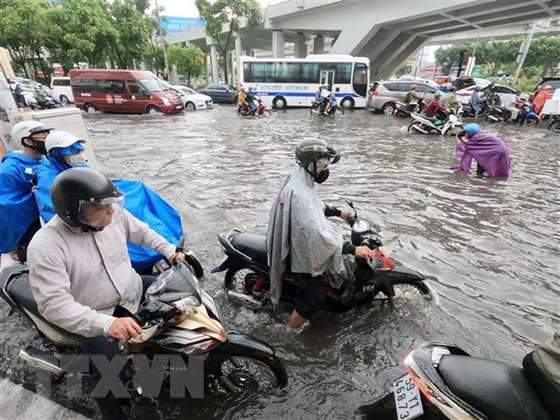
x: 98, y: 212
x: 335, y: 157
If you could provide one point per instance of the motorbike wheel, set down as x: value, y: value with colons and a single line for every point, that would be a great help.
x: 453, y: 131
x: 241, y: 280
x: 407, y: 290
x: 244, y: 373
x: 554, y: 126
x: 267, y: 113
x: 416, y: 127
x: 314, y: 110
x: 338, y: 111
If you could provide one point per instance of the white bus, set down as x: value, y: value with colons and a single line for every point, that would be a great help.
x: 282, y: 82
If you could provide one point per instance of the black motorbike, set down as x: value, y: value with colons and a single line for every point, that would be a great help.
x: 468, y: 111
x: 442, y: 381
x: 177, y: 317
x: 526, y: 114
x: 404, y: 110
x: 318, y: 108
x: 247, y: 274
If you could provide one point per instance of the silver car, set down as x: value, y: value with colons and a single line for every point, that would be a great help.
x: 382, y: 96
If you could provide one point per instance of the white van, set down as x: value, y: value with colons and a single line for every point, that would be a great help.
x: 62, y: 90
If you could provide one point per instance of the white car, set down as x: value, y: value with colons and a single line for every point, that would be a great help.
x: 62, y: 90
x: 192, y: 99
x: 505, y: 93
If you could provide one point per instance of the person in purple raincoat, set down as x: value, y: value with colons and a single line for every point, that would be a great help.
x: 488, y: 150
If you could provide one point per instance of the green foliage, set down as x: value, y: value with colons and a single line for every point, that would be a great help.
x: 544, y: 52
x: 189, y: 60
x: 220, y: 15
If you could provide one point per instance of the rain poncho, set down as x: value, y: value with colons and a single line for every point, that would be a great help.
x: 140, y: 200
x: 17, y: 204
x: 299, y: 232
x: 476, y: 101
x: 488, y: 150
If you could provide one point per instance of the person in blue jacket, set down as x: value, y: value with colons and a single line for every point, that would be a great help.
x: 19, y: 216
x: 67, y: 151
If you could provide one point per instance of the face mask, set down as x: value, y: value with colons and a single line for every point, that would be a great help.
x: 322, y: 176
x: 77, y: 161
x: 38, y: 146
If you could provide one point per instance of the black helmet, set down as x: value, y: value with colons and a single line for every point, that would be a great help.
x: 310, y: 152
x: 76, y: 190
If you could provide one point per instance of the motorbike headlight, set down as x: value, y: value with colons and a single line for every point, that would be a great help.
x: 187, y: 305
x: 166, y: 101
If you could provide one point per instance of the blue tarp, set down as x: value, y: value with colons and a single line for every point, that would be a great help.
x: 140, y: 200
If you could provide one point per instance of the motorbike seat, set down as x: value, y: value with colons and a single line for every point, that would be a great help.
x: 252, y: 245
x: 18, y: 290
x: 498, y: 390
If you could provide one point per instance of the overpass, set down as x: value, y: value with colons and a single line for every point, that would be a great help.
x: 387, y: 32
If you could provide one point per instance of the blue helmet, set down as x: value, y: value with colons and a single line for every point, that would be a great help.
x: 471, y: 129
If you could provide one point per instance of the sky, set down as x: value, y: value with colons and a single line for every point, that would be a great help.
x: 186, y: 8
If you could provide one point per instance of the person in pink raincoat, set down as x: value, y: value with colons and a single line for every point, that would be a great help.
x: 490, y: 152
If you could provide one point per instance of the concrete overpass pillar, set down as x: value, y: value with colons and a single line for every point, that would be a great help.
x: 214, y: 58
x: 277, y: 44
x: 238, y: 53
x: 300, y: 48
x: 319, y: 45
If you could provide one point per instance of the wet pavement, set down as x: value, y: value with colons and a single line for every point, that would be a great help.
x: 490, y: 249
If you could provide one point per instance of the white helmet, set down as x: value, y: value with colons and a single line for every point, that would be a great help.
x: 61, y: 139
x: 26, y: 129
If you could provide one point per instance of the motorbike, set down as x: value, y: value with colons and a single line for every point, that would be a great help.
x: 554, y: 125
x: 177, y: 316
x: 49, y: 103
x: 442, y: 381
x: 468, y: 111
x: 247, y: 273
x: 317, y: 108
x: 443, y: 123
x: 526, y: 114
x: 404, y: 110
x: 262, y: 109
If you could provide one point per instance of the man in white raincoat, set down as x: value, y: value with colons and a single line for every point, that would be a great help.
x: 300, y: 238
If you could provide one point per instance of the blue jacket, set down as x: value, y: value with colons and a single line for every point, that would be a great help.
x: 140, y: 200
x: 17, y: 204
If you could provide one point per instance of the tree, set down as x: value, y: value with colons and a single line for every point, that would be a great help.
x: 189, y: 60
x: 22, y: 30
x: 133, y: 32
x: 220, y: 15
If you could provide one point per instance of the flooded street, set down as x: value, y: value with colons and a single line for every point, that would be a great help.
x: 490, y: 249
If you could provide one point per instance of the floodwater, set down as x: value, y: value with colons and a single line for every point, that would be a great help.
x: 490, y: 249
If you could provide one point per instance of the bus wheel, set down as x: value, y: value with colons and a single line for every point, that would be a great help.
x: 347, y: 103
x: 153, y: 110
x: 279, y: 102
x: 89, y: 108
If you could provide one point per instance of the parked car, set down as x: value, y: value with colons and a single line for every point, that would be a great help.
x: 382, y: 96
x: 28, y: 84
x: 192, y: 100
x: 220, y: 93
x: 419, y: 79
x: 464, y: 82
x: 506, y: 93
x: 553, y: 81
x: 62, y: 90
x: 126, y: 91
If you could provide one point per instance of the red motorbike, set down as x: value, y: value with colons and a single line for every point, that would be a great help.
x: 262, y: 109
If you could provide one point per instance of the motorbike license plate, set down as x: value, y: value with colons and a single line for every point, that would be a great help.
x: 407, y: 398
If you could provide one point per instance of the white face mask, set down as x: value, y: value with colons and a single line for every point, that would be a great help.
x: 77, y: 161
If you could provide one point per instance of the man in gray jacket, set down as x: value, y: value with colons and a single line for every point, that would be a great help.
x: 80, y: 272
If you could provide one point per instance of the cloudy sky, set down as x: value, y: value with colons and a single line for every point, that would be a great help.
x: 186, y: 8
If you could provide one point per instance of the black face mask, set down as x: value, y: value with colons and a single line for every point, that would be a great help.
x: 322, y: 176
x: 38, y: 146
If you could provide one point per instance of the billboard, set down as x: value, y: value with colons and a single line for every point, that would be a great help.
x: 174, y: 24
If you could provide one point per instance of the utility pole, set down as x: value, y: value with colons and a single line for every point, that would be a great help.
x: 523, y: 50
x: 160, y: 35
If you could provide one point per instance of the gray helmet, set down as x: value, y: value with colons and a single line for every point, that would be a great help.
x: 75, y: 189
x: 310, y: 151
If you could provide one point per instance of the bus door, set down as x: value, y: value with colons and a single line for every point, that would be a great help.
x: 327, y: 78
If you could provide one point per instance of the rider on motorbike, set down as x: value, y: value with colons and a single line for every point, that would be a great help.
x: 40, y: 96
x: 434, y: 106
x: 412, y: 97
x: 299, y: 237
x: 79, y: 268
x: 250, y: 99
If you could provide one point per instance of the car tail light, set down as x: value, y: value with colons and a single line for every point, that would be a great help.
x: 465, y: 94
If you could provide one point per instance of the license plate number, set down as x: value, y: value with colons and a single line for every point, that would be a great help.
x: 407, y: 398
